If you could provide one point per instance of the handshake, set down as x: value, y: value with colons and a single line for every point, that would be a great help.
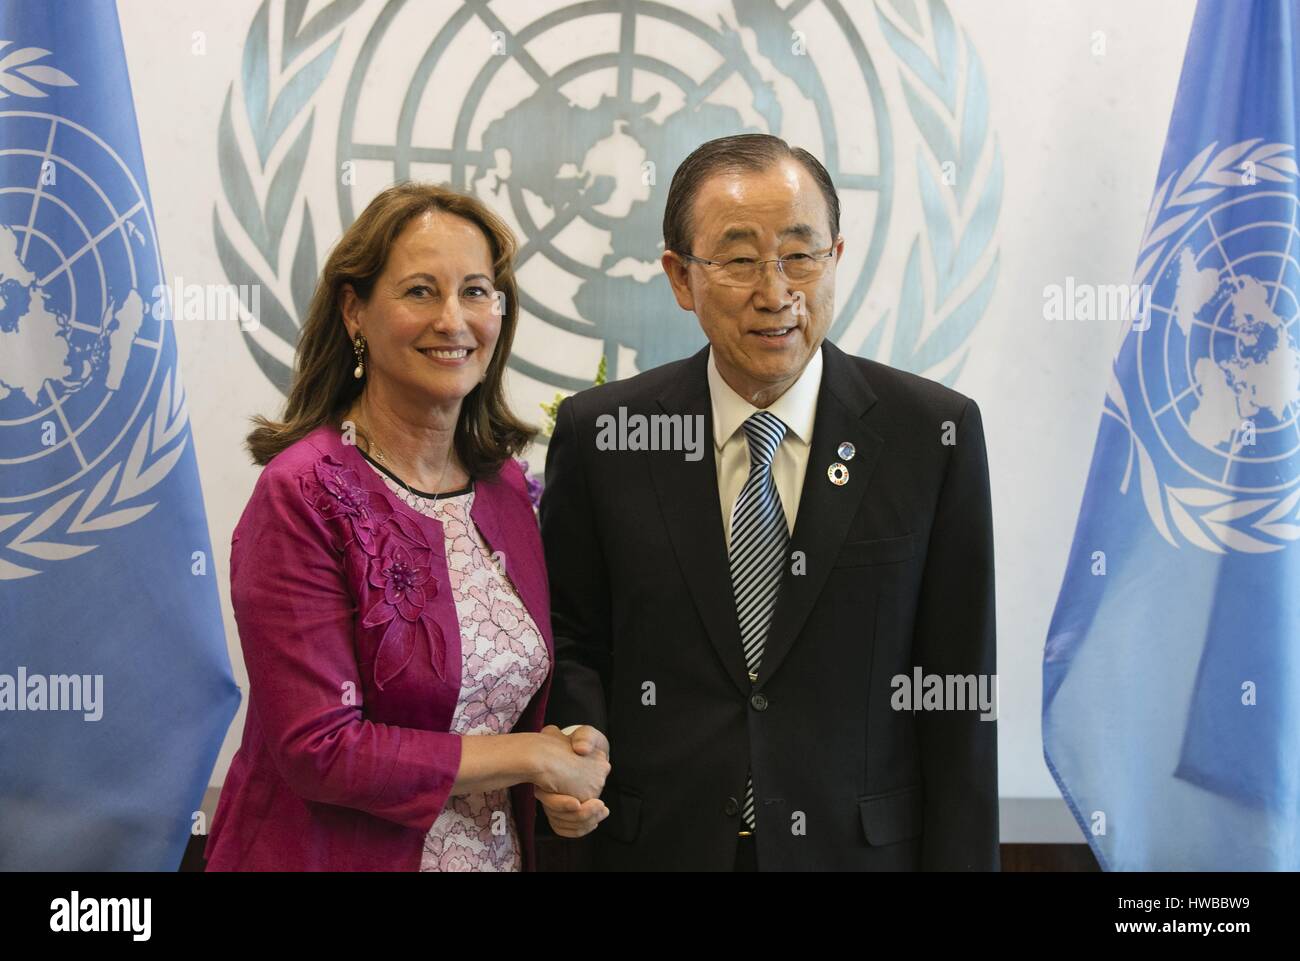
x: 574, y: 767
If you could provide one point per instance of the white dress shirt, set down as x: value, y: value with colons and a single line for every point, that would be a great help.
x: 797, y: 408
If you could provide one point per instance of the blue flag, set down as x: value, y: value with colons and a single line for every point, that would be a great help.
x: 115, y: 683
x: 1171, y: 673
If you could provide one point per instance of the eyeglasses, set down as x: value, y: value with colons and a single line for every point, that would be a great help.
x: 797, y: 268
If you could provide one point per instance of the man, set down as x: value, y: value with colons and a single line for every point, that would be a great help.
x: 732, y: 623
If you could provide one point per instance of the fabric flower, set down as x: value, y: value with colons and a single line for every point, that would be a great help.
x: 400, y: 568
x: 335, y: 491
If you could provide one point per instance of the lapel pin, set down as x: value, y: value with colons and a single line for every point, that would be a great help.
x: 846, y: 451
x: 838, y: 473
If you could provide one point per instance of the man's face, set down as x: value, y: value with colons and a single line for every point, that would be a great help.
x: 763, y: 335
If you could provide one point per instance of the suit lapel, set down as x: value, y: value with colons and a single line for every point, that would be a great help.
x: 825, y: 509
x: 688, y: 499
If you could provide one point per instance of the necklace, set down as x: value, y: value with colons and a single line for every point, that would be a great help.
x: 379, y: 455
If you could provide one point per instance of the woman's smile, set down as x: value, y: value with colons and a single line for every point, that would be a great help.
x: 447, y: 356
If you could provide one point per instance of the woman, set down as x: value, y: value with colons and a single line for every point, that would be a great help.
x: 387, y: 574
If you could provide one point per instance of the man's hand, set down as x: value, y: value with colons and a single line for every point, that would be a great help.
x: 586, y: 739
x: 569, y: 817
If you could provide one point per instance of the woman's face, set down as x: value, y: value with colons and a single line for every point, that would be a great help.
x: 430, y: 324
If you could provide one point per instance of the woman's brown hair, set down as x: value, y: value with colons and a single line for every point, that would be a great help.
x: 323, y: 388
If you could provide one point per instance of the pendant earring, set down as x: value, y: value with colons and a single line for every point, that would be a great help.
x: 359, y: 348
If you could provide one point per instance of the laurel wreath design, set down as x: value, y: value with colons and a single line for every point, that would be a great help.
x: 948, y: 105
x: 152, y: 457
x: 264, y: 220
x: 18, y: 62
x: 1210, y: 519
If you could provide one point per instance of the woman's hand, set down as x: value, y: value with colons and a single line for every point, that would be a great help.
x: 560, y: 770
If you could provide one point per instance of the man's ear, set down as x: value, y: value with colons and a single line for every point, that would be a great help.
x: 679, y: 277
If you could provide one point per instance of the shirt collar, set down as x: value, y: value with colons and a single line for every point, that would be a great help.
x: 797, y: 407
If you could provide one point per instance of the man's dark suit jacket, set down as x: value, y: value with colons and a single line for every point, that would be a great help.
x: 898, y: 572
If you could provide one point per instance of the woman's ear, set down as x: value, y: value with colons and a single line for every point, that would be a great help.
x: 350, y: 307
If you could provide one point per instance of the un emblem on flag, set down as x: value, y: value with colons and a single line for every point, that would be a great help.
x: 1208, y: 377
x: 86, y: 431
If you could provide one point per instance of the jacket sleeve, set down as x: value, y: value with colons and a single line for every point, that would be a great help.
x: 296, y: 613
x: 579, y: 587
x: 955, y: 635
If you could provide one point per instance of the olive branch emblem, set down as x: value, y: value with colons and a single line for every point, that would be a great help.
x: 21, y: 76
x: 959, y: 172
x: 1213, y: 520
x: 45, y: 537
x: 946, y: 94
x: 42, y: 537
x: 263, y: 217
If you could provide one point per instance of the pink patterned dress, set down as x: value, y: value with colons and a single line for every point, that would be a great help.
x: 504, y: 663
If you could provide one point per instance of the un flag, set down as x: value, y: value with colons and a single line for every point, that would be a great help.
x: 1171, y: 675
x: 115, y: 684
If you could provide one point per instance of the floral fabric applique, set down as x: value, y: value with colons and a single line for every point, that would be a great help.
x: 398, y: 566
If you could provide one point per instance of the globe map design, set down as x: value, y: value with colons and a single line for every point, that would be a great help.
x: 1253, y: 368
x: 39, y: 344
x: 79, y: 344
x: 1221, y: 374
x: 590, y: 172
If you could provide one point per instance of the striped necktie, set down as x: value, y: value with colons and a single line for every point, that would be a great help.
x: 759, y: 541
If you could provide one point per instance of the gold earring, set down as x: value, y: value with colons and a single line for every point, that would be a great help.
x: 359, y: 348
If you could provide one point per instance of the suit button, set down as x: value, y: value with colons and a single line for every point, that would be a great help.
x: 758, y: 701
x: 731, y: 808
